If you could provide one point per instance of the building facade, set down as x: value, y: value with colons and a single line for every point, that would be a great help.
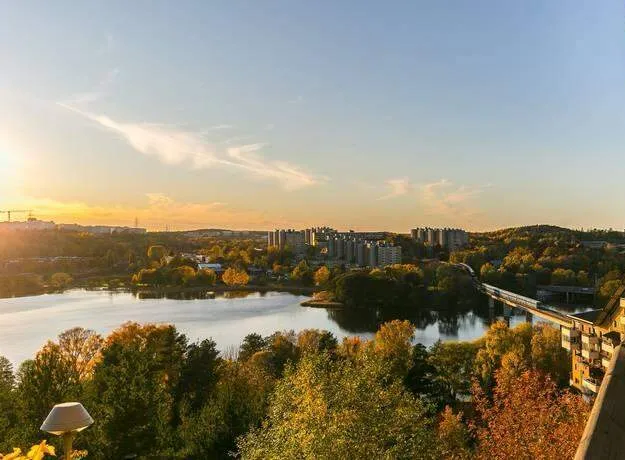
x: 591, y: 341
x: 452, y: 239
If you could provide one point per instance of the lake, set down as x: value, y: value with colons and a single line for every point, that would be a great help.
x: 26, y: 323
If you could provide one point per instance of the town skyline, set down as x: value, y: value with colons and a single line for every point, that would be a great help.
x: 481, y: 117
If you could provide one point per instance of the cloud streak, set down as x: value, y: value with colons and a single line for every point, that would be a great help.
x: 397, y: 187
x: 446, y: 200
x: 174, y: 146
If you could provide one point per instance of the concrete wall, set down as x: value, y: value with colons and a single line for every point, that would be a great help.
x: 604, y: 435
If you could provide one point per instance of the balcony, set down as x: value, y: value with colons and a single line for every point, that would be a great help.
x: 571, y: 344
x: 590, y: 354
x: 570, y: 333
x: 605, y: 361
x: 590, y: 339
x: 607, y: 346
x: 591, y: 384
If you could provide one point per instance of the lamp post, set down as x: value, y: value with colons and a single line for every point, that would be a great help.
x: 66, y: 420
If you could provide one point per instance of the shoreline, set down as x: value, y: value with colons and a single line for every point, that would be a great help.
x: 298, y: 290
x: 303, y: 290
x: 328, y: 304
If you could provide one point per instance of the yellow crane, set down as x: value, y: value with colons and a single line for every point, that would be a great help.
x: 10, y: 211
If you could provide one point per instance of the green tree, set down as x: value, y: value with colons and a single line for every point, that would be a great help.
x: 252, y: 343
x: 61, y: 280
x: 206, y: 277
x: 303, y: 273
x: 548, y: 356
x: 131, y: 403
x: 8, y: 411
x: 393, y: 343
x: 43, y: 382
x: 325, y: 408
x: 453, y: 367
x: 182, y: 276
x: 563, y: 277
x: 237, y: 404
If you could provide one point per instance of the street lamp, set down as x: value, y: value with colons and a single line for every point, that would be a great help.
x: 66, y: 420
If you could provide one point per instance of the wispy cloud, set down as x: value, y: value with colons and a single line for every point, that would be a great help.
x: 397, y: 187
x: 450, y: 202
x: 221, y: 127
x: 98, y: 93
x: 173, y: 145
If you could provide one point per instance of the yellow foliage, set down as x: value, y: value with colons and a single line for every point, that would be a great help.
x: 36, y: 452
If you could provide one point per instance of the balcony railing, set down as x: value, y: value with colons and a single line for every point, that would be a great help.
x: 592, y: 384
x: 606, y: 345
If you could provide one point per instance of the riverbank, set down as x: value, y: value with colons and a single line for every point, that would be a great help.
x: 299, y: 290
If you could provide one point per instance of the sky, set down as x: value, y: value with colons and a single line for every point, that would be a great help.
x: 361, y: 115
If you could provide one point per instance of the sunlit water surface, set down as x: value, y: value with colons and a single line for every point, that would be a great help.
x: 26, y: 323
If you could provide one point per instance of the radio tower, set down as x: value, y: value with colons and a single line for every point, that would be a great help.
x: 136, y: 222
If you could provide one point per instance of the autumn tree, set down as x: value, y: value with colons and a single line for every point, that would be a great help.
x: 315, y: 341
x: 453, y: 436
x: 529, y: 418
x: 393, y: 343
x: 235, y: 277
x: 322, y: 276
x: 81, y: 348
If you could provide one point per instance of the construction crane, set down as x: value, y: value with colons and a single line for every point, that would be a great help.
x: 8, y: 212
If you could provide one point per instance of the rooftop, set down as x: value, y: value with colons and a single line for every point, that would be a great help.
x: 586, y: 316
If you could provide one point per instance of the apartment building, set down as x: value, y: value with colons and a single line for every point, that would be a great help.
x: 389, y: 255
x: 592, y: 340
x: 352, y: 248
x: 449, y: 238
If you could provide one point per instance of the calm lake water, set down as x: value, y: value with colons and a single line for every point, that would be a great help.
x: 26, y: 323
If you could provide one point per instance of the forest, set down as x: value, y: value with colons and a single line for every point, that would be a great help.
x: 152, y: 393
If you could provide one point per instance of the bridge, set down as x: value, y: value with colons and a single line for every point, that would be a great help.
x: 527, y: 304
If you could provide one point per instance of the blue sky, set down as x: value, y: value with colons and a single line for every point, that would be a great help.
x: 257, y: 114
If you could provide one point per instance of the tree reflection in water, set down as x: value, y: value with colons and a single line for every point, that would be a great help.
x: 449, y: 314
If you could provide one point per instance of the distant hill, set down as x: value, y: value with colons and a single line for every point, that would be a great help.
x: 554, y: 232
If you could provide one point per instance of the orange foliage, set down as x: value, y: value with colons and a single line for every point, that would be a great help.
x: 529, y: 418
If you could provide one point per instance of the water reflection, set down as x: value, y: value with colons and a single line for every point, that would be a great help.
x: 196, y: 295
x: 26, y: 323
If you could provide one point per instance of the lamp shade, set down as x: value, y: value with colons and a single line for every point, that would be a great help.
x: 70, y: 416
